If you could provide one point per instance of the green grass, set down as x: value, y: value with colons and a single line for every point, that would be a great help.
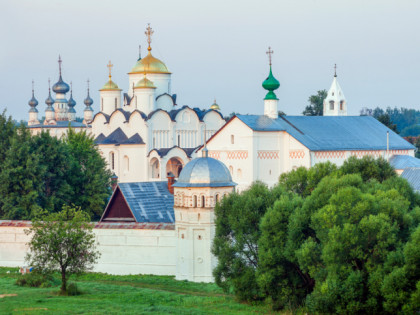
x: 107, y: 294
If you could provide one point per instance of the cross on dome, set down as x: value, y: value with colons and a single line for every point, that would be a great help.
x: 59, y: 63
x: 110, y: 65
x: 149, y: 32
x: 335, y: 70
x: 269, y: 53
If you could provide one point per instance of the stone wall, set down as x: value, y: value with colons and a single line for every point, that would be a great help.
x: 126, y: 248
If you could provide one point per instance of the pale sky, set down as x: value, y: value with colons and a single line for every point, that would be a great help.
x: 215, y: 49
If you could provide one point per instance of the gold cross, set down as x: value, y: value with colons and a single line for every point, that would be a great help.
x: 110, y: 65
x: 149, y: 32
x: 269, y: 53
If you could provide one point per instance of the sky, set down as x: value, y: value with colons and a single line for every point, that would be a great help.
x: 215, y: 49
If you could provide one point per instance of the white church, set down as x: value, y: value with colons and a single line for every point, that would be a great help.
x: 174, y: 164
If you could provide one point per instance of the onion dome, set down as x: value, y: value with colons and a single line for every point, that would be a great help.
x: 204, y: 172
x: 88, y: 100
x: 33, y: 102
x: 71, y: 103
x: 61, y: 86
x: 215, y: 106
x: 110, y: 85
x: 149, y: 64
x: 271, y: 84
x: 145, y: 83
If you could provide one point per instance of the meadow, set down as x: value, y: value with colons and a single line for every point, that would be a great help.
x: 108, y: 294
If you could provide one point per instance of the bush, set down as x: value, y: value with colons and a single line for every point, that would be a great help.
x: 72, y: 289
x: 35, y: 280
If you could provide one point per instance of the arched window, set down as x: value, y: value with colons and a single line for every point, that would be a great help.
x: 341, y: 105
x: 231, y: 170
x: 115, y: 103
x: 102, y: 104
x: 195, y: 201
x: 203, y: 201
x: 217, y: 198
x: 179, y: 140
x: 331, y: 105
x: 232, y: 139
x: 239, y: 172
x: 126, y: 164
x: 112, y: 160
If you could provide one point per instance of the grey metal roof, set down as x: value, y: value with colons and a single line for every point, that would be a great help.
x: 204, y: 172
x: 400, y: 162
x: 412, y: 175
x: 164, y: 151
x: 149, y: 201
x: 119, y: 137
x: 324, y: 133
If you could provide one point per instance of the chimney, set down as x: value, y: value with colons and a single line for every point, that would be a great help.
x: 114, y: 181
x: 171, y: 181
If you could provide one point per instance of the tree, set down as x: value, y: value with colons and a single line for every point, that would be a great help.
x: 386, y: 120
x: 316, y: 104
x: 89, y: 176
x: 7, y: 131
x: 63, y: 242
x: 236, y: 240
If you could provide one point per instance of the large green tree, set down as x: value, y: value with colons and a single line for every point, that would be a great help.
x: 7, y: 131
x: 316, y: 104
x: 62, y: 242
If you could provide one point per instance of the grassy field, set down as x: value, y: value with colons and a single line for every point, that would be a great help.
x: 106, y: 294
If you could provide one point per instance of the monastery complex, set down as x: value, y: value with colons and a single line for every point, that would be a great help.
x: 174, y: 164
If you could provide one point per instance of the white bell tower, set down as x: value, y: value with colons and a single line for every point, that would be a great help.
x: 335, y: 103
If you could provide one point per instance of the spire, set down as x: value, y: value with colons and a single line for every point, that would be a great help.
x: 149, y: 32
x: 59, y: 64
x: 335, y: 70
x: 139, y: 53
x: 33, y: 89
x: 269, y: 53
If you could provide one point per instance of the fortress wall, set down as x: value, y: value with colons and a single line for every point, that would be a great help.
x: 123, y: 251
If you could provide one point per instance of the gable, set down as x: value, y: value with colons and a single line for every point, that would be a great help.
x: 117, y: 209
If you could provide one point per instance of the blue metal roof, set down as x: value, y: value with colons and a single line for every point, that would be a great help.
x: 62, y: 124
x: 149, y: 201
x: 412, y: 175
x: 164, y: 151
x: 324, y: 133
x: 400, y: 162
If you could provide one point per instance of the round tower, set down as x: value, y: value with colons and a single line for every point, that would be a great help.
x: 71, y: 104
x: 110, y: 95
x: 33, y: 112
x: 271, y: 84
x: 144, y: 96
x: 202, y: 183
x: 155, y: 69
x: 49, y: 111
x: 60, y: 89
x: 88, y: 112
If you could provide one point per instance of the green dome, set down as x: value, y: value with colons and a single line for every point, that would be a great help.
x: 110, y: 85
x: 271, y: 83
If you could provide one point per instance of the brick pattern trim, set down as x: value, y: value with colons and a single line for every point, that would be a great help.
x: 268, y: 155
x: 296, y: 154
x: 330, y: 154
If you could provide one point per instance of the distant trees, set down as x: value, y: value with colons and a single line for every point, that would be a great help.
x: 405, y: 121
x: 334, y: 240
x: 62, y: 242
x: 316, y: 104
x: 43, y: 172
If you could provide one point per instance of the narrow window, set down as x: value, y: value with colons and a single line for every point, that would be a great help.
x: 341, y: 105
x: 232, y: 139
x: 194, y: 201
x: 198, y: 217
x: 217, y: 198
x: 102, y: 104
x: 112, y: 161
x: 154, y: 142
x: 179, y: 140
x: 115, y: 103
x: 331, y: 105
x: 203, y: 201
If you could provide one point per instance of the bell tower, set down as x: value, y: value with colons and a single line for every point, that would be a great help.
x: 335, y: 103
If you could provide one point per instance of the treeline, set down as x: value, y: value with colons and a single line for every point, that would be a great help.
x: 326, y: 240
x: 42, y: 173
x: 405, y: 121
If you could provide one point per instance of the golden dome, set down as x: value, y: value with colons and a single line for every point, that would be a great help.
x: 145, y: 83
x: 110, y: 86
x: 149, y: 64
x: 215, y: 106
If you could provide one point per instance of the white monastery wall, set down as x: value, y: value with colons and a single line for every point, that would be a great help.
x: 296, y: 155
x: 268, y: 156
x: 124, y: 251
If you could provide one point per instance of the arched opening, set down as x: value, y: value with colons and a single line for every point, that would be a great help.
x: 217, y: 198
x: 203, y: 201
x: 195, y: 201
x: 174, y: 165
x: 155, y: 168
x: 126, y: 164
x: 341, y: 105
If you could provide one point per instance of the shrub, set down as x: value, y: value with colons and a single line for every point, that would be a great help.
x: 35, y: 280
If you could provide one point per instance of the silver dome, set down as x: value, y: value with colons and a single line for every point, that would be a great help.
x: 204, y: 172
x: 61, y: 86
x: 33, y: 101
x: 71, y: 102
